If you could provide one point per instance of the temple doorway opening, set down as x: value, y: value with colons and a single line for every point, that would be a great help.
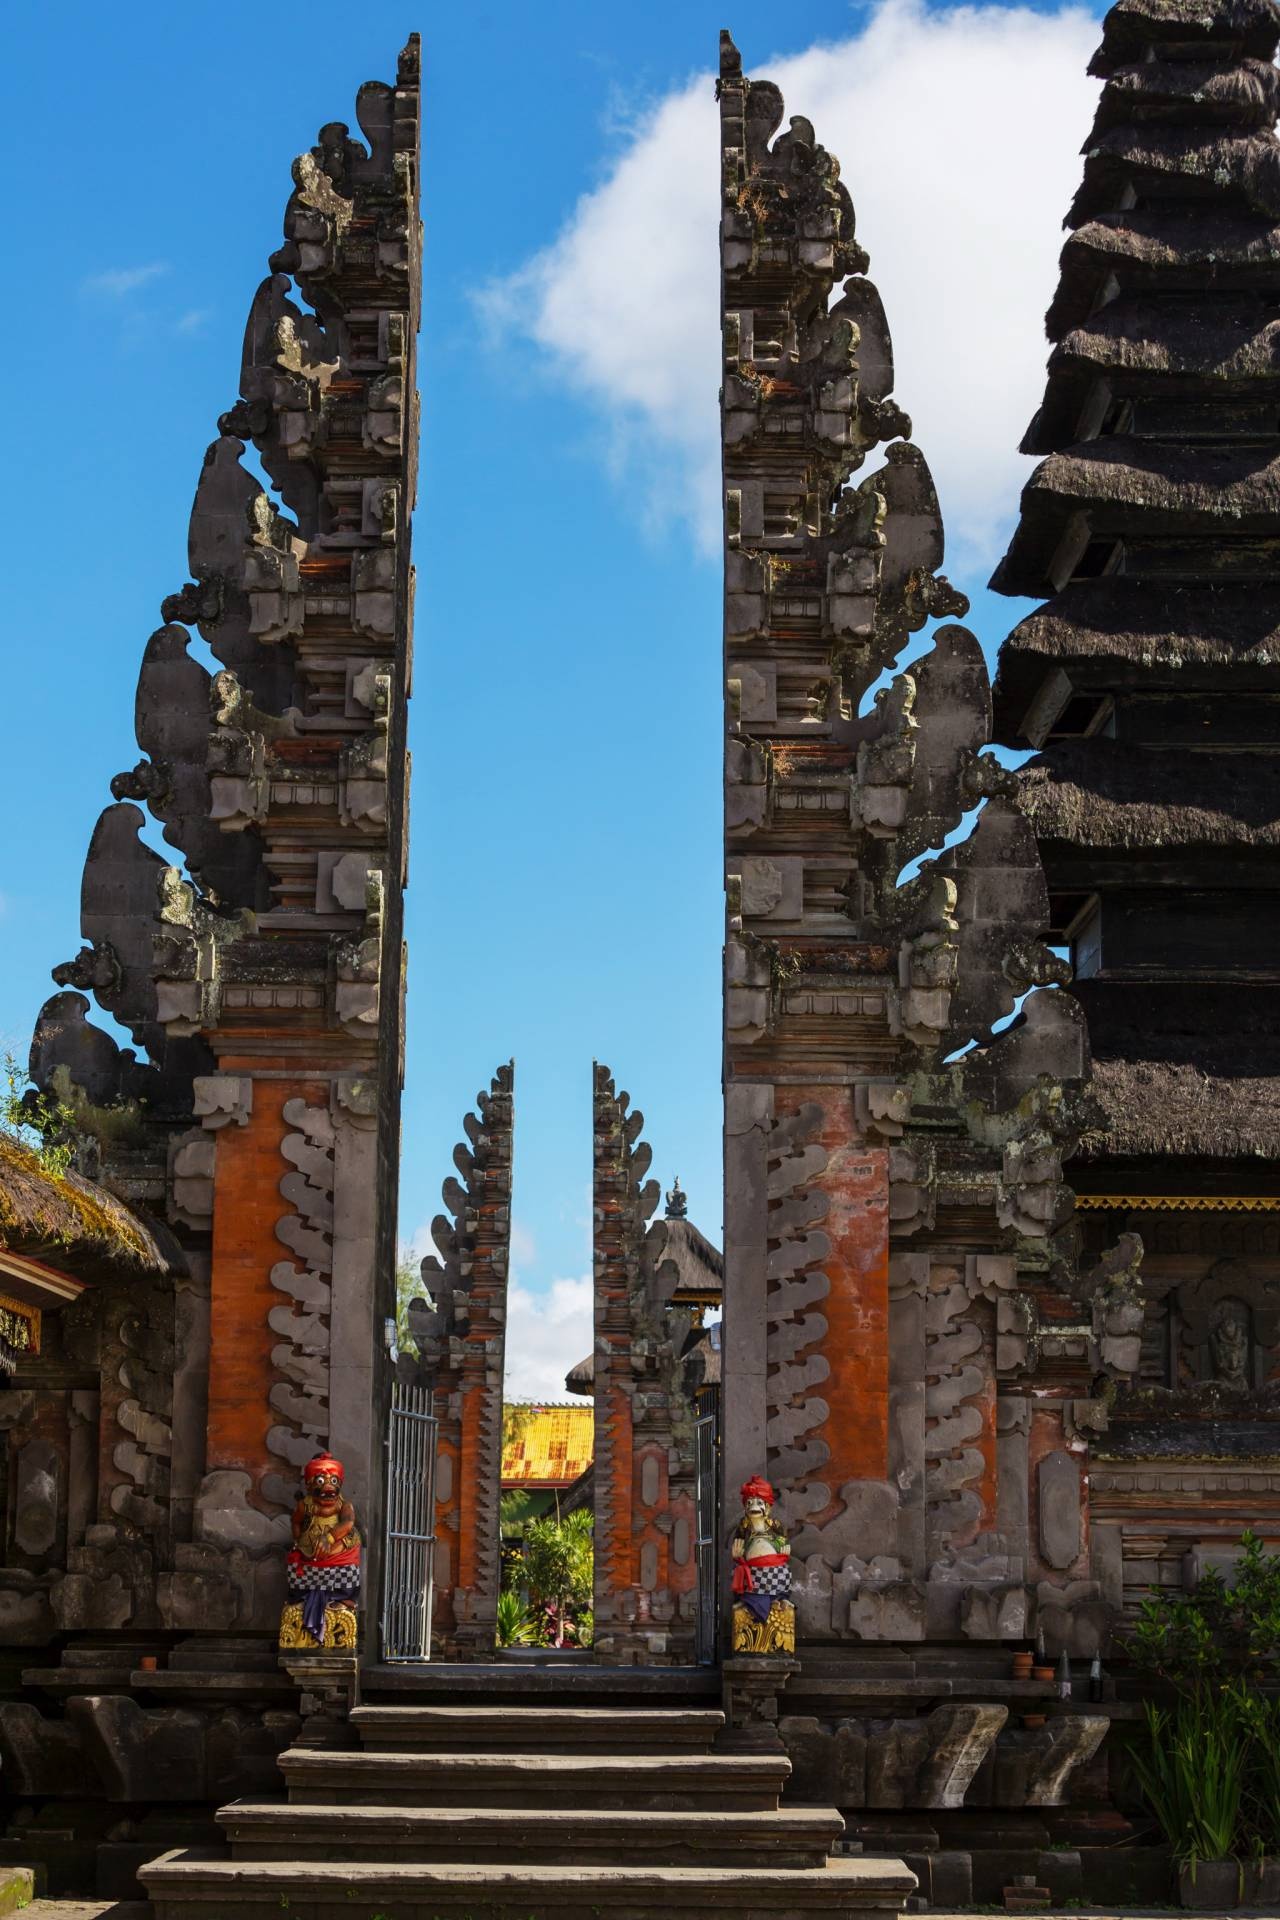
x: 580, y: 1523
x: 562, y: 1493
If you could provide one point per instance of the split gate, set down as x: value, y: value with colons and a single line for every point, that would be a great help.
x: 408, y: 1562
x: 706, y: 1484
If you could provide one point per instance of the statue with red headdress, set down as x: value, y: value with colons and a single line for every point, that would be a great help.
x: 323, y: 1565
x: 764, y: 1620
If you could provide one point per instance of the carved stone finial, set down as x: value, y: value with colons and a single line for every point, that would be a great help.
x: 677, y: 1201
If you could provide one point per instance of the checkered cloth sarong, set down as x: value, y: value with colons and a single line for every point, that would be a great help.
x: 339, y: 1583
x: 773, y: 1581
x: 318, y: 1587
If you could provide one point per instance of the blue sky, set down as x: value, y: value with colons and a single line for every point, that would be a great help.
x: 565, y: 893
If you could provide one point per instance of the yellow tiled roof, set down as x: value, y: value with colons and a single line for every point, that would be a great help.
x: 546, y: 1446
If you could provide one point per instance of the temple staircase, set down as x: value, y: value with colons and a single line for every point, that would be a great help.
x: 527, y: 1813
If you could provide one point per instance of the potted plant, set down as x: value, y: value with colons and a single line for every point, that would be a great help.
x: 1192, y: 1769
x: 1209, y: 1765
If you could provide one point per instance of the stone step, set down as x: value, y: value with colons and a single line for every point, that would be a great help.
x: 748, y: 1782
x: 564, y: 1836
x: 184, y: 1885
x: 535, y: 1729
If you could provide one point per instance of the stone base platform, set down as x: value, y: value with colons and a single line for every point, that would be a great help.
x: 182, y: 1886
x: 527, y: 1813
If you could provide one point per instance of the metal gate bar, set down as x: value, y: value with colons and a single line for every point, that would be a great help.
x: 706, y: 1432
x: 409, y: 1559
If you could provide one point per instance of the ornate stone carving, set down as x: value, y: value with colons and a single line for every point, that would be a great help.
x: 643, y: 1467
x: 459, y: 1331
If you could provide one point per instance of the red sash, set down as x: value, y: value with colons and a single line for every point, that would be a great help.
x: 742, y: 1579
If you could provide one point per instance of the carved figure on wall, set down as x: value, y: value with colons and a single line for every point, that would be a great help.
x: 764, y: 1620
x: 1230, y: 1324
x: 323, y: 1566
x: 1230, y: 1343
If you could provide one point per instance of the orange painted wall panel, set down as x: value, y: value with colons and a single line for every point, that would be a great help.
x: 247, y: 1205
x: 856, y: 1182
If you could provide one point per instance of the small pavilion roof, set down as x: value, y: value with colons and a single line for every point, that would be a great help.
x: 67, y: 1223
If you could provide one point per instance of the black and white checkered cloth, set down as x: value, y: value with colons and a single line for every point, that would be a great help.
x: 344, y: 1581
x: 774, y: 1581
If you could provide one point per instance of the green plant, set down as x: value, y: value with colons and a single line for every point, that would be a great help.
x: 41, y: 1124
x: 409, y: 1286
x: 1210, y: 1762
x: 1193, y: 1772
x: 1198, y: 1639
x: 516, y: 1626
x: 516, y: 1508
x: 558, y: 1572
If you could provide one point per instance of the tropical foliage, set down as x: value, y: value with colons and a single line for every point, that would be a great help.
x: 39, y: 1123
x: 1209, y: 1761
x: 516, y: 1626
x: 554, y: 1568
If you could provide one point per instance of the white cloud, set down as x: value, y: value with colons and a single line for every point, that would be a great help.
x: 192, y: 321
x: 547, y: 1333
x: 958, y: 133
x: 116, y: 283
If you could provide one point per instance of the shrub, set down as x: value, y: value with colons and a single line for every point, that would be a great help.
x: 1209, y: 1766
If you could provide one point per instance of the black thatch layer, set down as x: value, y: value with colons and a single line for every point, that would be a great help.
x: 1140, y: 489
x: 1246, y: 27
x: 1181, y: 249
x: 1219, y: 340
x: 1229, y: 166
x: 1114, y: 794
x: 1197, y: 347
x: 1166, y: 319
x: 1115, y: 633
x: 1245, y: 95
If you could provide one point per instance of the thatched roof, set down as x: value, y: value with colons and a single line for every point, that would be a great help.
x: 67, y: 1222
x: 1216, y: 248
x: 1173, y: 1110
x: 1112, y: 793
x: 1242, y: 166
x: 1214, y: 350
x: 1223, y: 340
x: 1246, y: 94
x: 1252, y: 27
x: 700, y: 1266
x: 1118, y: 632
x: 1140, y: 489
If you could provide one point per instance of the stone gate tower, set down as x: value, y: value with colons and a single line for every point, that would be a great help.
x: 259, y: 971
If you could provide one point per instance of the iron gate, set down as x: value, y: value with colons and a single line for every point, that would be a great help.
x: 410, y: 1542
x: 706, y: 1431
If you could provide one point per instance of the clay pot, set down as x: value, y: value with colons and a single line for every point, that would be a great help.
x: 1022, y: 1663
x: 148, y: 1663
x: 1042, y: 1673
x: 1034, y: 1719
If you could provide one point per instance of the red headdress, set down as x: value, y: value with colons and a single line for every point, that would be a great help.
x: 756, y: 1489
x: 322, y: 1463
